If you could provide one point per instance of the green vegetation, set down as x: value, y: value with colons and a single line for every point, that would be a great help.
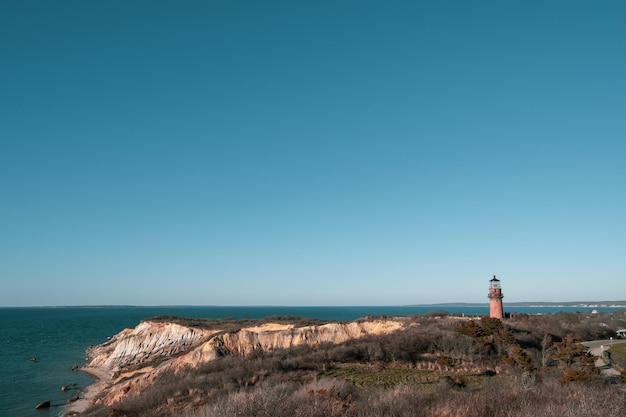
x: 618, y: 355
x: 375, y: 375
x: 438, y: 366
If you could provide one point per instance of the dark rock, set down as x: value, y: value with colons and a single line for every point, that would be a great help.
x: 45, y: 404
x: 73, y: 398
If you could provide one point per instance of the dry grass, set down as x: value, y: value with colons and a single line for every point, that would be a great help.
x: 430, y: 369
x: 231, y: 324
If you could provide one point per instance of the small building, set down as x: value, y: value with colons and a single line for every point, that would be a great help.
x: 621, y: 333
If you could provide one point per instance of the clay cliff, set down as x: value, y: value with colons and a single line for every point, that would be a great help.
x: 135, y: 357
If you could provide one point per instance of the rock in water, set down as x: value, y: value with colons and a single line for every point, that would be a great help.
x: 45, y: 404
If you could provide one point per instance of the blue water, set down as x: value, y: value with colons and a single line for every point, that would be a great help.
x: 59, y: 336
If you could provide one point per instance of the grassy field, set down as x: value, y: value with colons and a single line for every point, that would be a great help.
x: 618, y: 354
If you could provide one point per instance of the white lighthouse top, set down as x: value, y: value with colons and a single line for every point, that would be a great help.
x: 494, y: 283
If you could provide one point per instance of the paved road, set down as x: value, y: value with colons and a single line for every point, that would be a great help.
x: 596, y: 348
x: 606, y: 343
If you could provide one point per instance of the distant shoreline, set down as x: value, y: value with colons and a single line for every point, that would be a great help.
x: 573, y: 304
x: 553, y: 304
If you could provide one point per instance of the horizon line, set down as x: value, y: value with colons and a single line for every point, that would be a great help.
x: 604, y: 303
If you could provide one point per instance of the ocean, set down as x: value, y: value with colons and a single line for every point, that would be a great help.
x: 39, y: 345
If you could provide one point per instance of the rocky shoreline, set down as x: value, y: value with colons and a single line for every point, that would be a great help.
x: 104, y: 378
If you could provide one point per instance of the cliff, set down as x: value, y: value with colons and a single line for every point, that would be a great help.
x: 135, y: 357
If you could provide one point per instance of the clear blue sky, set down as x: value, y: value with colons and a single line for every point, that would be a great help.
x: 311, y: 153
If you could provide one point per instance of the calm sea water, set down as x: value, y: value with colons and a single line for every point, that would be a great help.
x: 58, y: 337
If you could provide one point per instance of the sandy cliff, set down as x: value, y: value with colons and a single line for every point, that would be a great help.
x: 145, y: 343
x: 135, y: 357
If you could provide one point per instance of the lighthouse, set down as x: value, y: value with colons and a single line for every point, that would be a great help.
x: 495, y: 299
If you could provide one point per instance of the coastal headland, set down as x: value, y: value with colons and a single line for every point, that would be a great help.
x: 169, y: 366
x: 129, y: 362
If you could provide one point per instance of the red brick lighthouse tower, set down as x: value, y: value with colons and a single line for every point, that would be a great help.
x: 495, y: 299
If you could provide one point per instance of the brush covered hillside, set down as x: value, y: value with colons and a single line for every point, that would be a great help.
x: 434, y: 365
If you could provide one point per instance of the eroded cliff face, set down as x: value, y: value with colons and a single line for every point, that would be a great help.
x: 145, y: 343
x: 137, y: 356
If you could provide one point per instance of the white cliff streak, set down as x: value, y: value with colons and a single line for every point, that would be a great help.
x: 144, y: 343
